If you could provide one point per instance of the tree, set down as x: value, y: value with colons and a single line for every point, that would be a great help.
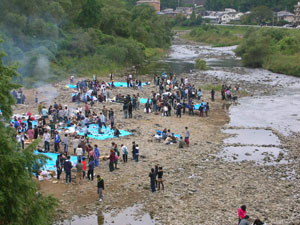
x: 90, y: 15
x: 261, y: 14
x: 20, y: 202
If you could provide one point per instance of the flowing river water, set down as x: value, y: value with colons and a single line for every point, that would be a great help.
x: 272, y: 106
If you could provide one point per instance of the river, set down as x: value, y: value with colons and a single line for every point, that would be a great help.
x: 273, y: 103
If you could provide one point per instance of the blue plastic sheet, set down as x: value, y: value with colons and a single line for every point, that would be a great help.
x: 51, y: 163
x: 123, y: 84
x: 144, y: 100
x: 71, y: 86
x: 198, y: 106
x: 94, y: 132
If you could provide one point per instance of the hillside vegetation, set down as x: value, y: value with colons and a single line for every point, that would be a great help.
x: 277, y: 50
x: 50, y: 39
x: 217, y: 36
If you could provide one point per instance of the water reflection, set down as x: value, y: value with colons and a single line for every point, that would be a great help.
x: 129, y: 216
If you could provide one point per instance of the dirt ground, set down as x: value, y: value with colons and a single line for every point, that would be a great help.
x: 200, y: 188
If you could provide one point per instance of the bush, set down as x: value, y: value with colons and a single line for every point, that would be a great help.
x: 200, y: 64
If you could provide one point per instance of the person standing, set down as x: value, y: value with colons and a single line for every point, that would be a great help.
x: 138, y: 100
x: 90, y: 174
x: 68, y: 168
x: 133, y: 150
x: 97, y: 155
x: 83, y: 168
x: 159, y: 178
x: 56, y: 142
x: 152, y: 176
x: 66, y: 143
x: 117, y: 155
x: 102, y: 120
x: 75, y: 144
x: 112, y: 160
x: 242, y: 213
x: 137, y: 153
x: 187, y: 136
x: 100, y: 186
x: 124, y: 153
x: 79, y: 168
x: 58, y: 166
x: 112, y: 122
x: 212, y: 95
x: 36, y: 132
x: 104, y: 111
x: 125, y: 109
x: 130, y: 107
x: 46, y: 141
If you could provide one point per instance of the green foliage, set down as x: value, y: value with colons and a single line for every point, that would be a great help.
x: 44, y: 36
x: 216, y: 35
x: 258, y: 15
x: 274, y: 49
x: 209, y: 87
x: 20, y: 202
x: 90, y: 14
x: 200, y: 64
x: 247, y: 5
x: 289, y: 45
x: 6, y: 99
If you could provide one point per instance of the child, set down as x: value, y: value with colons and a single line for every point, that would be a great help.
x: 100, y: 185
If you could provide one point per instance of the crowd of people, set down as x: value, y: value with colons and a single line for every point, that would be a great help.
x: 53, y: 125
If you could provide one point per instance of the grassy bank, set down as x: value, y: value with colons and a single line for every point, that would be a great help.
x: 277, y: 50
x: 217, y: 36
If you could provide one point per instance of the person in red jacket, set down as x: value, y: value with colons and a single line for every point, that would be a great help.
x: 84, y: 167
x: 242, y: 213
x: 112, y: 159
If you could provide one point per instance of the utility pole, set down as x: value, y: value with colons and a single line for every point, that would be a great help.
x: 178, y: 3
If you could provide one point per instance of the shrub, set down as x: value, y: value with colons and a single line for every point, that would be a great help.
x: 200, y: 64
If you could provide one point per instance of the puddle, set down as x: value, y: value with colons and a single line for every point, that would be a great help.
x: 129, y: 216
x: 268, y: 111
x: 260, y: 155
x: 251, y: 137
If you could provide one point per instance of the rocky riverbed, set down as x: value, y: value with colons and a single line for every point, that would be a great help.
x: 202, y: 186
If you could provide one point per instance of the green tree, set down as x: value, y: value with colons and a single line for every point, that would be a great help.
x: 90, y: 15
x: 20, y: 202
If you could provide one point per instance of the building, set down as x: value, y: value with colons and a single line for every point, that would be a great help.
x: 186, y: 11
x: 284, y: 15
x: 297, y: 13
x: 153, y: 3
x: 224, y: 17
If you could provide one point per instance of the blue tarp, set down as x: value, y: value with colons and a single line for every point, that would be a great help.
x: 123, y: 84
x: 51, y: 163
x: 198, y: 106
x: 108, y: 133
x: 71, y: 86
x: 144, y: 100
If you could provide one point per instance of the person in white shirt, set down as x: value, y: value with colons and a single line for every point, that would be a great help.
x: 46, y: 141
x: 75, y: 143
x: 186, y: 81
x: 124, y: 153
x: 79, y: 152
x: 102, y: 120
